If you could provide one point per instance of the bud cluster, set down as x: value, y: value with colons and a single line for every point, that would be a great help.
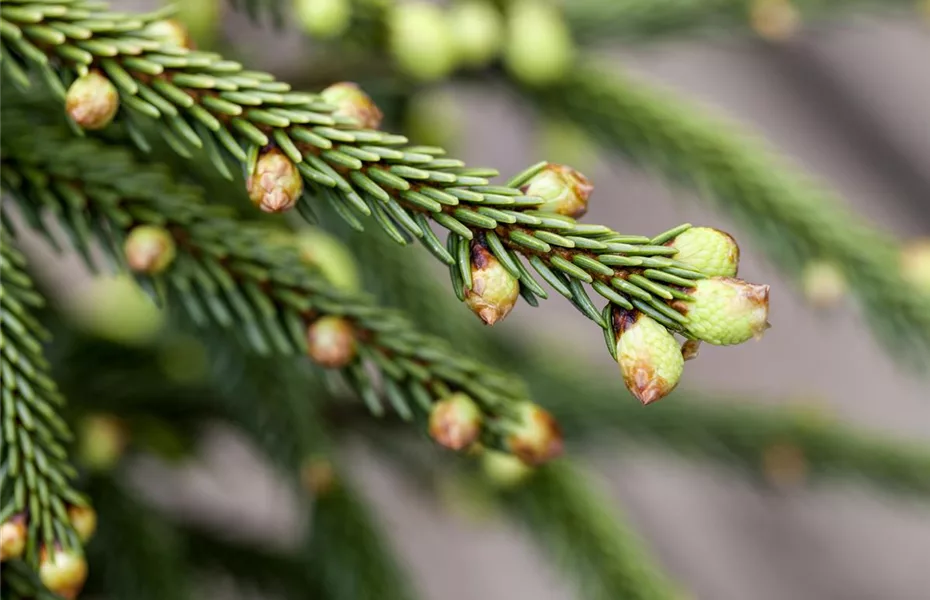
x: 275, y: 184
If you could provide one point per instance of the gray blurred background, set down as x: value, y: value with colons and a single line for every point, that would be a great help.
x: 849, y: 103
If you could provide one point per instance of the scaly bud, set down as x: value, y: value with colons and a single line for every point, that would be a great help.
x: 330, y: 256
x: 149, y: 249
x: 534, y: 437
x: 170, y: 32
x: 539, y: 48
x: 331, y: 342
x: 101, y: 441
x: 63, y: 572
x: 13, y: 537
x: 324, y: 19
x: 350, y: 101
x: 494, y: 290
x: 564, y: 189
x: 84, y: 521
x: 317, y: 475
x: 726, y: 311
x: 504, y: 470
x: 92, y: 101
x: 710, y: 251
x: 915, y: 264
x: 420, y: 41
x: 477, y: 28
x: 823, y: 284
x: 275, y: 184
x: 455, y: 422
x: 649, y: 357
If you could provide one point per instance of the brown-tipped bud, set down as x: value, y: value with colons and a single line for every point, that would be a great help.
x: 350, y: 101
x: 565, y: 190
x: 149, y: 249
x: 317, y: 475
x: 331, y: 342
x: 101, y: 441
x: 774, y: 20
x: 915, y: 264
x: 170, y: 32
x: 726, y: 311
x: 84, y: 521
x: 823, y: 284
x: 534, y: 437
x: 92, y: 101
x: 275, y: 184
x: 650, y: 359
x: 494, y: 291
x: 710, y: 251
x: 504, y: 470
x: 13, y: 537
x: 63, y: 572
x: 455, y: 422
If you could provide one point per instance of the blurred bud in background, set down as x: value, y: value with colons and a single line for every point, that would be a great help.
x: 203, y: 20
x: 101, y: 440
x: 823, y: 284
x: 330, y: 256
x: 477, y: 28
x: 915, y: 263
x: 420, y: 40
x: 774, y: 20
x: 434, y: 118
x: 324, y: 19
x: 117, y: 309
x: 539, y: 48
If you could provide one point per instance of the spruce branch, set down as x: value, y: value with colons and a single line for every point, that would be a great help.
x: 794, y: 219
x: 301, y: 149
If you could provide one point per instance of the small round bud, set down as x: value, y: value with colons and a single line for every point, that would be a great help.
x: 419, y: 40
x: 455, y: 422
x: 494, y: 290
x: 317, y: 475
x: 539, y: 48
x: 915, y: 264
x: 117, y: 309
x: 710, y: 251
x: 149, y: 249
x: 504, y: 470
x: 649, y: 357
x: 13, y: 534
x: 63, y: 572
x: 727, y: 311
x: 534, y: 437
x: 350, y: 101
x: 84, y: 521
x: 92, y: 101
x: 275, y: 184
x: 101, y: 441
x: 331, y: 342
x: 325, y: 19
x: 564, y: 189
x: 477, y: 29
x: 434, y: 117
x: 170, y: 32
x: 774, y: 20
x: 823, y: 284
x: 331, y: 257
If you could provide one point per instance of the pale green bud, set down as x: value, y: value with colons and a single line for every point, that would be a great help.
x: 494, y: 290
x: 434, y: 117
x: 169, y: 32
x: 455, y: 422
x: 420, y: 40
x: 350, y: 101
x: 823, y: 284
x: 915, y: 264
x: 710, y: 251
x: 477, y: 28
x: 101, y: 441
x: 331, y: 257
x: 92, y: 101
x: 13, y: 534
x: 116, y: 308
x: 726, y: 311
x: 650, y: 359
x: 62, y: 571
x: 534, y: 436
x: 565, y: 190
x: 324, y: 19
x: 504, y: 470
x: 149, y: 249
x: 84, y: 521
x: 275, y: 184
x: 539, y: 47
x: 331, y: 342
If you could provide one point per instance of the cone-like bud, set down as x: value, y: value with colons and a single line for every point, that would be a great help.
x: 350, y: 101
x: 101, y: 441
x: 275, y: 184
x: 494, y: 290
x: 535, y: 437
x: 331, y: 342
x: 649, y: 357
x: 331, y: 257
x: 324, y: 19
x: 149, y: 249
x: 477, y: 28
x: 84, y: 521
x: 317, y: 475
x: 420, y: 41
x: 63, y: 572
x: 455, y: 422
x: 915, y: 264
x: 823, y: 284
x: 774, y: 20
x: 92, y: 101
x: 727, y: 311
x: 170, y: 32
x: 539, y: 48
x: 710, y: 251
x: 13, y: 537
x: 564, y: 189
x: 504, y: 470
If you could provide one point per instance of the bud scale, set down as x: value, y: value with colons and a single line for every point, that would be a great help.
x: 275, y: 184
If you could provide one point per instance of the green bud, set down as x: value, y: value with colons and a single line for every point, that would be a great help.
x: 539, y: 48
x: 726, y: 311
x: 455, y: 422
x: 101, y: 441
x: 275, y: 184
x: 149, y: 249
x: 420, y: 40
x: 331, y: 342
x: 915, y: 264
x: 477, y: 29
x: 202, y: 20
x: 350, y: 101
x: 710, y: 251
x: 84, y: 521
x: 534, y: 437
x: 62, y: 571
x: 169, y: 32
x: 324, y: 19
x: 823, y: 284
x: 117, y: 309
x: 564, y: 189
x: 13, y: 535
x: 92, y: 101
x: 331, y: 257
x: 494, y: 290
x: 434, y: 117
x: 649, y: 357
x: 504, y: 470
